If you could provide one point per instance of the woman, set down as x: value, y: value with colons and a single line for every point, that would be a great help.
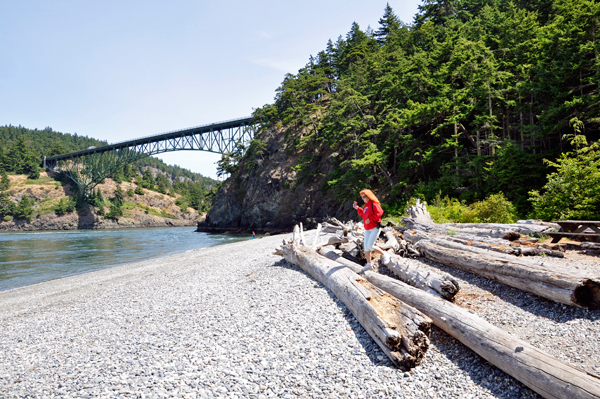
x: 371, y: 215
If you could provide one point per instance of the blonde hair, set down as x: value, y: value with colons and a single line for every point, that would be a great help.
x: 369, y: 194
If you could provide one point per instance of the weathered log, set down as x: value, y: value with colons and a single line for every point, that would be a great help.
x: 420, y: 219
x: 418, y: 213
x: 414, y: 237
x: 565, y: 286
x: 353, y: 250
x: 334, y: 240
x: 400, y: 331
x: 546, y: 375
x: 345, y: 227
x: 317, y: 235
x: 512, y: 249
x: 521, y: 226
x: 391, y: 243
x: 410, y: 272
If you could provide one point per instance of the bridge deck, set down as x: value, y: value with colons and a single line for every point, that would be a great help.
x: 229, y: 124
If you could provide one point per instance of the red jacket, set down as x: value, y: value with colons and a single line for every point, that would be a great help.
x: 371, y: 211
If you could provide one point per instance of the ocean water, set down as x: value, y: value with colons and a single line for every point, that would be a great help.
x: 33, y: 257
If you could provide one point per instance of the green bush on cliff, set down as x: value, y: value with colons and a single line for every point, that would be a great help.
x: 115, y: 212
x: 7, y: 207
x: 182, y: 203
x: 96, y: 199
x: 64, y: 206
x: 24, y: 209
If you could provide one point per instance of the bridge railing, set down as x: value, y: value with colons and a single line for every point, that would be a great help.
x: 215, y: 126
x: 186, y: 129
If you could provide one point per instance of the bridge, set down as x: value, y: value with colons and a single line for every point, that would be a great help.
x: 87, y: 168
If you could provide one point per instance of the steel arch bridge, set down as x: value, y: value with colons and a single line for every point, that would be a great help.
x: 87, y: 168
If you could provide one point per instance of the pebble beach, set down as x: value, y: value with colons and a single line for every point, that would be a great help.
x: 237, y: 321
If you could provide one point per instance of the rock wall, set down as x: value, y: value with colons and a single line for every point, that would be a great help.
x: 266, y: 197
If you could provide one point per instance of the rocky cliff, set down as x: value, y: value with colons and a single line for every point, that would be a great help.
x: 266, y: 194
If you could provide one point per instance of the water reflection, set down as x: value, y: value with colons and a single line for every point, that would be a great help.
x: 32, y: 257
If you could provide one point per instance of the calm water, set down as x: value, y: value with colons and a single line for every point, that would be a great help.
x: 32, y: 257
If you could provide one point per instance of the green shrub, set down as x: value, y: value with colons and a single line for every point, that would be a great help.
x: 96, y: 199
x: 34, y: 172
x: 449, y: 210
x: 573, y: 191
x: 115, y: 212
x: 24, y: 209
x: 119, y: 196
x: 130, y: 192
x: 182, y: 203
x: 494, y: 209
x: 65, y: 205
x: 7, y: 218
x: 7, y: 207
x: 139, y: 191
x: 128, y: 205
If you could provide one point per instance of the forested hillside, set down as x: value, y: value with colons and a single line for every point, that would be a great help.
x: 466, y: 101
x: 22, y: 149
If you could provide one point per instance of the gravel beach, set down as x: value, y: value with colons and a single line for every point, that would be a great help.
x: 237, y: 321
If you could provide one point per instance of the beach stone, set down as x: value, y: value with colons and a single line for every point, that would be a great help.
x: 237, y: 321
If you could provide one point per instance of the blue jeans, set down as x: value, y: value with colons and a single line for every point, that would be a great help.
x: 370, y: 238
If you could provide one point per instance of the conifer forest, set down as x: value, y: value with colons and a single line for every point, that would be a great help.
x: 472, y: 98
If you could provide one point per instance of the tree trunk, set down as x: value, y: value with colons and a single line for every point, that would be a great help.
x: 569, y: 287
x: 391, y: 243
x: 400, y: 331
x: 408, y: 271
x: 420, y: 219
x: 485, y: 244
x: 546, y: 375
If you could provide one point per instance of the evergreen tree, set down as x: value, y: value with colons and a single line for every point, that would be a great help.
x: 3, y: 164
x: 119, y: 196
x: 24, y: 209
x: 389, y: 23
x: 33, y: 170
x: 437, y: 12
x: 7, y: 207
x: 4, y: 181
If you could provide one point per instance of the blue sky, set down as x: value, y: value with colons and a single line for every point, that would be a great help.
x: 117, y: 70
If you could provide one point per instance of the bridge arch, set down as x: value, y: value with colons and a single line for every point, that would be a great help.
x: 87, y: 168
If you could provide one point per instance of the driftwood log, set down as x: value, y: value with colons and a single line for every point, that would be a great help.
x: 480, y: 247
x: 410, y: 272
x: 401, y: 331
x: 565, y: 286
x: 391, y: 241
x: 420, y: 219
x: 546, y: 375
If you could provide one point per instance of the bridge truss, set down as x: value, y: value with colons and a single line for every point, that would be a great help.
x: 87, y: 168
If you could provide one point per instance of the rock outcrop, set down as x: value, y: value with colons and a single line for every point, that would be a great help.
x: 268, y: 195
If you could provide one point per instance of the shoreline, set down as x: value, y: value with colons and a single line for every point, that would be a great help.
x: 98, y: 228
x: 235, y: 320
x: 241, y: 230
x: 103, y: 224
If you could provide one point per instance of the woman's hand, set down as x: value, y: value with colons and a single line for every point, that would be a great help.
x: 355, y: 205
x: 368, y: 221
